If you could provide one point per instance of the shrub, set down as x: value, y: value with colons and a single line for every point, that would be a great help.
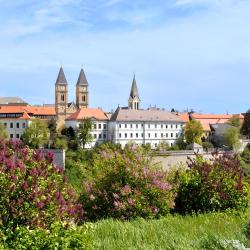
x: 59, y: 236
x: 32, y: 190
x: 212, y: 185
x: 125, y: 185
x: 207, y: 145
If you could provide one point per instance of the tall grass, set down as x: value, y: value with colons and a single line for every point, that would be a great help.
x: 207, y: 231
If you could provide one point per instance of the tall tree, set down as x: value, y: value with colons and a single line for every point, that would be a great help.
x: 193, y: 132
x: 3, y: 132
x: 245, y: 129
x: 235, y: 121
x: 232, y: 137
x: 84, y: 132
x: 37, y: 134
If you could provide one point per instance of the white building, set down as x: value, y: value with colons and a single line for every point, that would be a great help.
x: 17, y: 118
x: 150, y: 126
x: 99, y: 120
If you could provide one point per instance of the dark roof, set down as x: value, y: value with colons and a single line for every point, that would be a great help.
x: 134, y: 90
x: 82, y: 80
x: 144, y: 115
x: 61, y: 79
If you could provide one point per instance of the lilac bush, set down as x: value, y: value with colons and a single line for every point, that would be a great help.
x: 33, y: 191
x: 126, y: 185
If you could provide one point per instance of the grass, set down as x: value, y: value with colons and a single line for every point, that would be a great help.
x: 171, y: 232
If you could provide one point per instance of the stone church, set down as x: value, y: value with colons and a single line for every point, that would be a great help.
x: 63, y: 107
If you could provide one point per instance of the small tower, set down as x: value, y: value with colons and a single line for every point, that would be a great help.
x: 82, y: 94
x: 134, y: 99
x: 61, y: 95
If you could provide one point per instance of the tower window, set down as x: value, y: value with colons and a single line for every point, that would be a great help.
x: 62, y: 98
x: 84, y: 98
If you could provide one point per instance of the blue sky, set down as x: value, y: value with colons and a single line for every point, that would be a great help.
x: 185, y: 53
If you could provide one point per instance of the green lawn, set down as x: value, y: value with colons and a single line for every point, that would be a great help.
x: 171, y: 232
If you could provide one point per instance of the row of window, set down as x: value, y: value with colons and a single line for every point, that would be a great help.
x: 12, y: 136
x: 100, y: 136
x: 162, y: 126
x: 18, y: 125
x: 162, y: 135
x: 99, y: 126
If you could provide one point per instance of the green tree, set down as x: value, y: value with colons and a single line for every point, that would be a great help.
x: 245, y: 129
x: 235, y: 121
x: 232, y: 137
x: 84, y: 132
x: 3, y: 132
x: 37, y: 134
x: 193, y: 132
x: 53, y: 133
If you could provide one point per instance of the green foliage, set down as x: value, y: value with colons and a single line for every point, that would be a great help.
x: 163, y: 146
x: 3, y: 132
x: 60, y: 143
x: 207, y: 145
x: 232, y: 137
x: 235, y: 122
x: 33, y: 191
x: 58, y: 236
x: 245, y: 129
x: 84, y: 132
x: 37, y: 134
x: 125, y: 184
x: 215, y: 185
x: 193, y: 132
x: 245, y: 163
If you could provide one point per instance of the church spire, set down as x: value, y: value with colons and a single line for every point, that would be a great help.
x: 61, y: 79
x: 134, y: 99
x: 82, y: 80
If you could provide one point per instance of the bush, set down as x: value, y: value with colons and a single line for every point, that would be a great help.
x: 207, y: 145
x: 125, y: 185
x: 59, y: 236
x: 214, y: 185
x: 32, y: 190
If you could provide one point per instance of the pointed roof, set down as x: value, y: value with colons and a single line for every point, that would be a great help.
x: 82, y: 80
x: 134, y: 90
x: 61, y: 79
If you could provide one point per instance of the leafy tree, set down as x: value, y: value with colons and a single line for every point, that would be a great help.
x: 193, y: 132
x: 232, y: 137
x: 245, y: 129
x: 84, y: 132
x: 60, y: 143
x: 37, y: 134
x: 235, y: 121
x: 52, y: 126
x: 3, y: 132
x: 70, y: 136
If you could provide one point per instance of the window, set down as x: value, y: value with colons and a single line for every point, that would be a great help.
x: 84, y: 98
x: 136, y: 135
x: 148, y: 125
x: 172, y: 135
x: 142, y: 135
x: 105, y: 126
x: 136, y: 125
x: 148, y: 135
x: 166, y: 126
x: 17, y: 136
x: 120, y: 135
x: 99, y: 125
x: 104, y: 136
x: 5, y: 125
x: 167, y: 135
x: 161, y: 125
x: 100, y: 136
x: 171, y: 144
x: 155, y: 125
x: 142, y: 125
x: 131, y: 135
x: 95, y: 136
x: 24, y: 125
x: 11, y: 135
x: 176, y: 135
x: 120, y: 125
x: 11, y: 126
x: 171, y: 125
x: 17, y: 125
x: 62, y: 98
x: 176, y: 126
x: 131, y: 125
x: 125, y: 135
x: 161, y: 135
x: 94, y: 125
x: 156, y: 145
x: 155, y: 135
x: 125, y: 125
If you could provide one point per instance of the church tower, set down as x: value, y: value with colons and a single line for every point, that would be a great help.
x: 61, y: 95
x: 134, y: 99
x: 82, y: 94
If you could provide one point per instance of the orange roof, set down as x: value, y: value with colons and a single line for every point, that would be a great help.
x: 184, y: 117
x: 84, y: 113
x: 28, y: 110
x: 207, y: 119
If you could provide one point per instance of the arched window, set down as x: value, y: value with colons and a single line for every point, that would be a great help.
x: 62, y: 98
x: 83, y: 98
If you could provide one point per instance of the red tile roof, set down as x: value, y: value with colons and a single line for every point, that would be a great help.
x: 184, y: 117
x: 84, y: 113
